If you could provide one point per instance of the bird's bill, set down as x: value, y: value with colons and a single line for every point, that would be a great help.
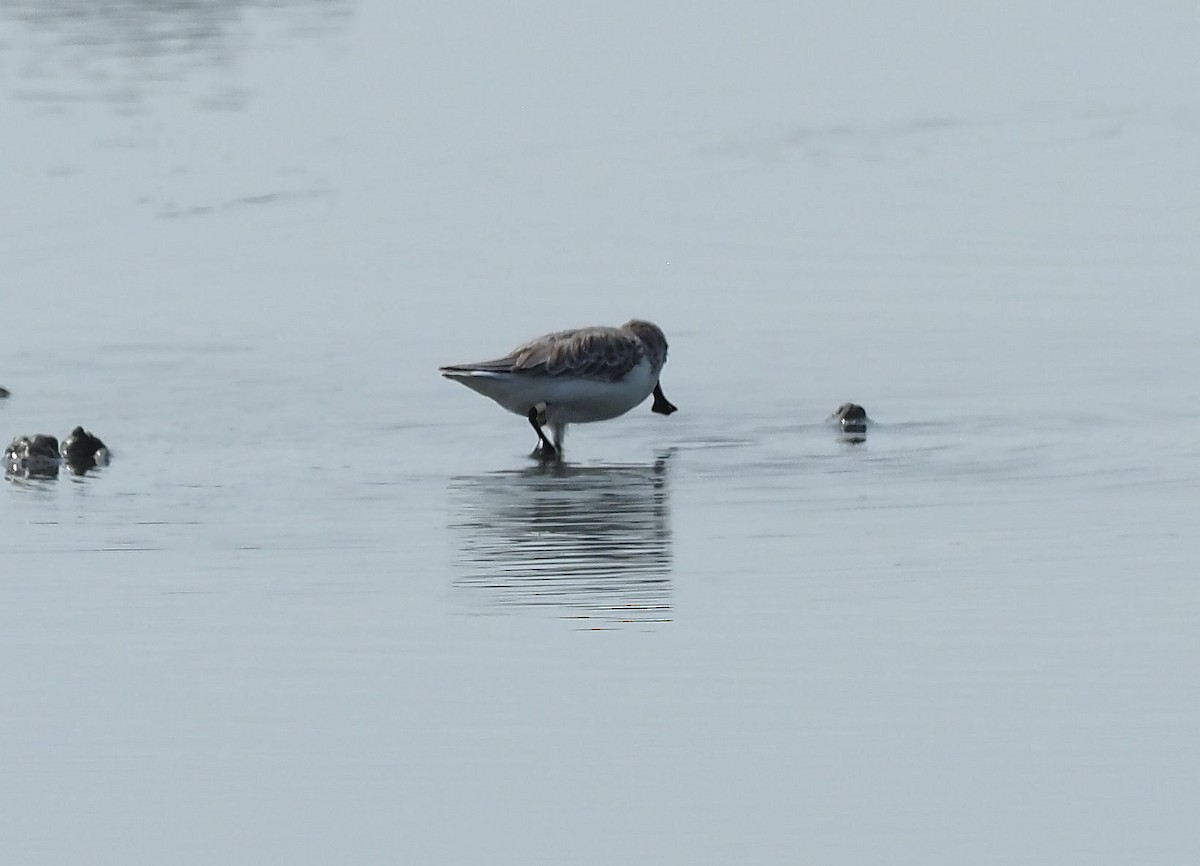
x: 662, y: 405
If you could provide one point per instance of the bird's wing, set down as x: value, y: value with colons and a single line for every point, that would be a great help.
x: 606, y: 354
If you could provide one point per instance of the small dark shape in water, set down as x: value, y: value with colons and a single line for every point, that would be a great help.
x: 32, y: 457
x: 852, y: 420
x: 4, y: 392
x: 83, y: 451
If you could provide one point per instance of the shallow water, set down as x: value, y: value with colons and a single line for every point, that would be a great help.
x: 323, y: 607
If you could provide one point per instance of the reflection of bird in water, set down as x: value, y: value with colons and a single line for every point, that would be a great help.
x: 594, y: 541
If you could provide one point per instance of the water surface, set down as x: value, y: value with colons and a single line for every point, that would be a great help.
x: 323, y: 607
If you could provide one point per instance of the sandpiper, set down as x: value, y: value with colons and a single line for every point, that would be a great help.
x: 573, y: 377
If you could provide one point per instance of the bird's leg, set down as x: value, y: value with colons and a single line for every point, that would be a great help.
x: 560, y: 434
x: 546, y: 448
x: 661, y: 405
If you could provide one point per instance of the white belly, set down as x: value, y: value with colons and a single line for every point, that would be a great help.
x: 567, y: 400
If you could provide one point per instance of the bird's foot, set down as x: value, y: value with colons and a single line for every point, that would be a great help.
x: 545, y: 452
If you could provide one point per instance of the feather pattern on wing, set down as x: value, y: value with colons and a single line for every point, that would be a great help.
x: 607, y: 354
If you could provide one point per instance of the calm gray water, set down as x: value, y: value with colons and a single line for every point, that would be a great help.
x: 322, y: 608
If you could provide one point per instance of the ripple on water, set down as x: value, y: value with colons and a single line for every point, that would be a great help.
x: 77, y: 51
